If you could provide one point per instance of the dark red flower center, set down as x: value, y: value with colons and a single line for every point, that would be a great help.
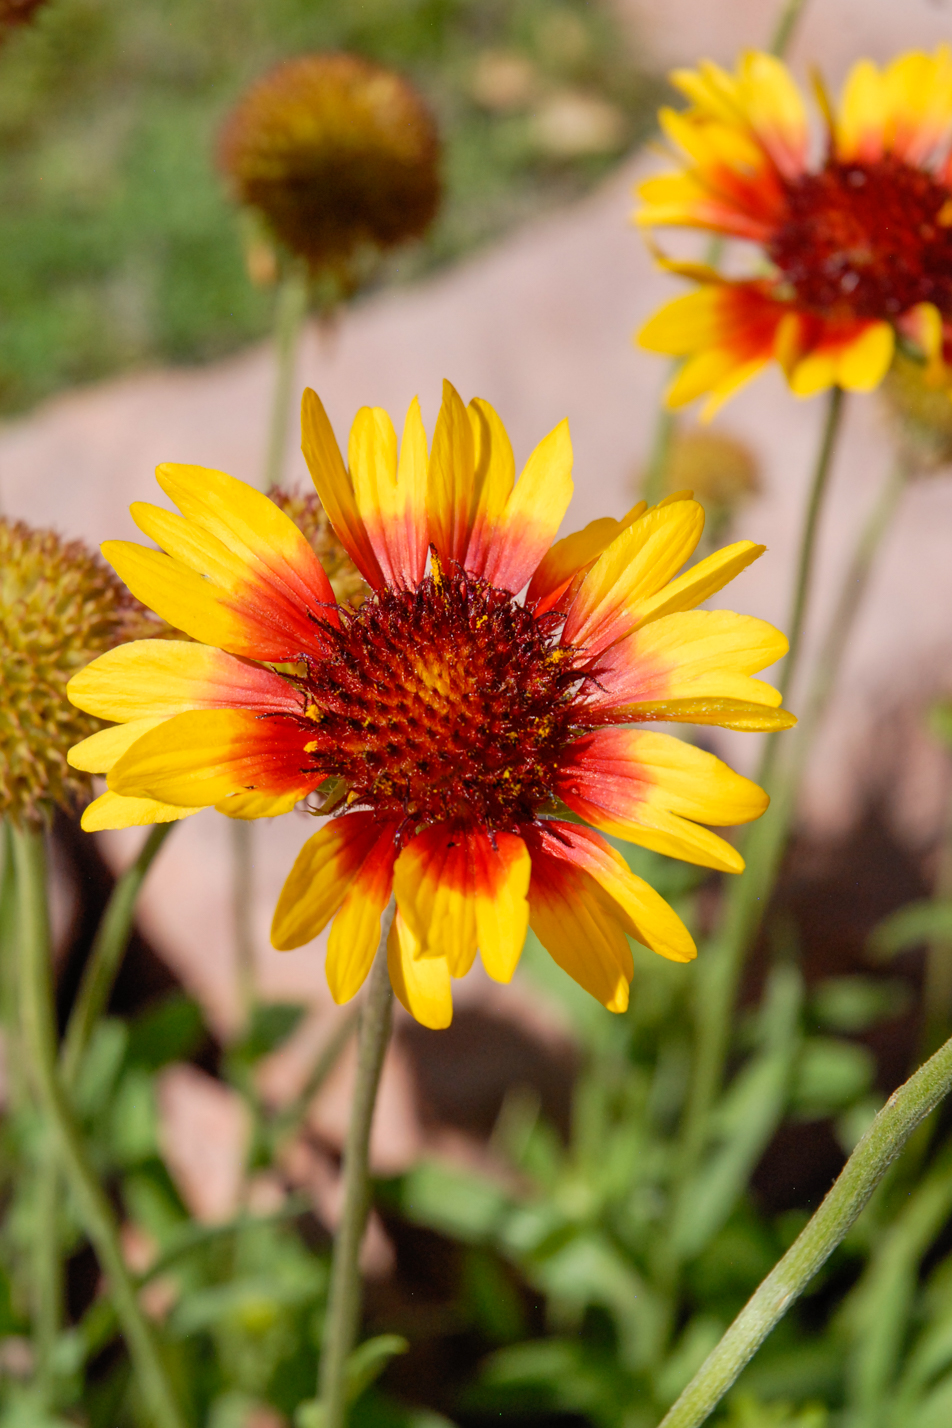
x: 450, y: 701
x: 867, y: 240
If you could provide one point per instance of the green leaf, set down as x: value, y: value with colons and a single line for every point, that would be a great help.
x: 271, y: 1025
x: 134, y: 1120
x: 830, y: 1076
x: 100, y: 1066
x: 171, y: 1031
x: 913, y: 924
x: 464, y: 1206
x: 748, y: 1412
x: 368, y: 1361
x: 853, y: 1004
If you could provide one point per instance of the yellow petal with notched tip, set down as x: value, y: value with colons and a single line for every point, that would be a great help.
x: 421, y: 984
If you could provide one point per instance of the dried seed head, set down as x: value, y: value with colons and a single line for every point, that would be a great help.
x: 922, y: 410
x: 720, y: 470
x: 60, y: 606
x: 309, y: 516
x: 339, y: 155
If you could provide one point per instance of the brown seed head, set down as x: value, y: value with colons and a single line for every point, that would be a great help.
x: 311, y: 519
x: 60, y: 606
x: 720, y: 470
x: 338, y: 154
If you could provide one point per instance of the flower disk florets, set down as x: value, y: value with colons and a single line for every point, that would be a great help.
x: 336, y: 153
x: 450, y: 701
x: 60, y: 606
x: 866, y: 240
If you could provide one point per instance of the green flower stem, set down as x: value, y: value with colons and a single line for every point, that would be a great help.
x: 242, y: 832
x: 46, y: 1264
x: 291, y: 1117
x: 96, y: 1213
x: 343, y: 1301
x: 904, y: 1110
x: 290, y: 312
x: 746, y: 897
x: 786, y: 25
x: 105, y: 959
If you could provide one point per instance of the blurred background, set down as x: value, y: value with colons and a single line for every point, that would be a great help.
x: 133, y: 332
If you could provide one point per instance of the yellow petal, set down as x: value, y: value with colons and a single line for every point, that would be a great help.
x: 99, y: 752
x: 206, y: 755
x: 421, y: 984
x: 450, y: 490
x: 159, y: 678
x: 636, y: 565
x: 111, y: 810
x: 502, y: 908
x: 865, y: 362
x: 334, y: 487
x: 321, y: 878
x: 701, y: 581
x: 258, y: 805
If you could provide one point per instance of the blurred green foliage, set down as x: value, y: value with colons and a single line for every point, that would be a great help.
x: 118, y: 244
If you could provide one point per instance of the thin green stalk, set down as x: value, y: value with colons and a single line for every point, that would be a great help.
x: 105, y: 959
x: 343, y: 1301
x: 9, y: 1000
x: 786, y: 26
x: 747, y: 895
x: 96, y: 1213
x: 46, y: 1264
x: 290, y: 1118
x: 904, y: 1110
x: 290, y: 311
x: 666, y: 425
x: 242, y: 834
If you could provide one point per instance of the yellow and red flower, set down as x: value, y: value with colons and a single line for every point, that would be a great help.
x: 461, y: 733
x: 858, y: 249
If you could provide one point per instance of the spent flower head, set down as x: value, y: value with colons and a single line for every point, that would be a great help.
x: 472, y: 739
x: 721, y: 471
x: 60, y: 606
x: 339, y: 156
x: 855, y: 252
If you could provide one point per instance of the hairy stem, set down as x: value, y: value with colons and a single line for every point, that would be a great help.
x: 904, y: 1110
x: 105, y: 959
x: 96, y: 1213
x: 343, y: 1303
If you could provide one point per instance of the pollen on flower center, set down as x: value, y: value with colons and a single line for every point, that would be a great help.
x: 448, y: 701
x: 867, y: 240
